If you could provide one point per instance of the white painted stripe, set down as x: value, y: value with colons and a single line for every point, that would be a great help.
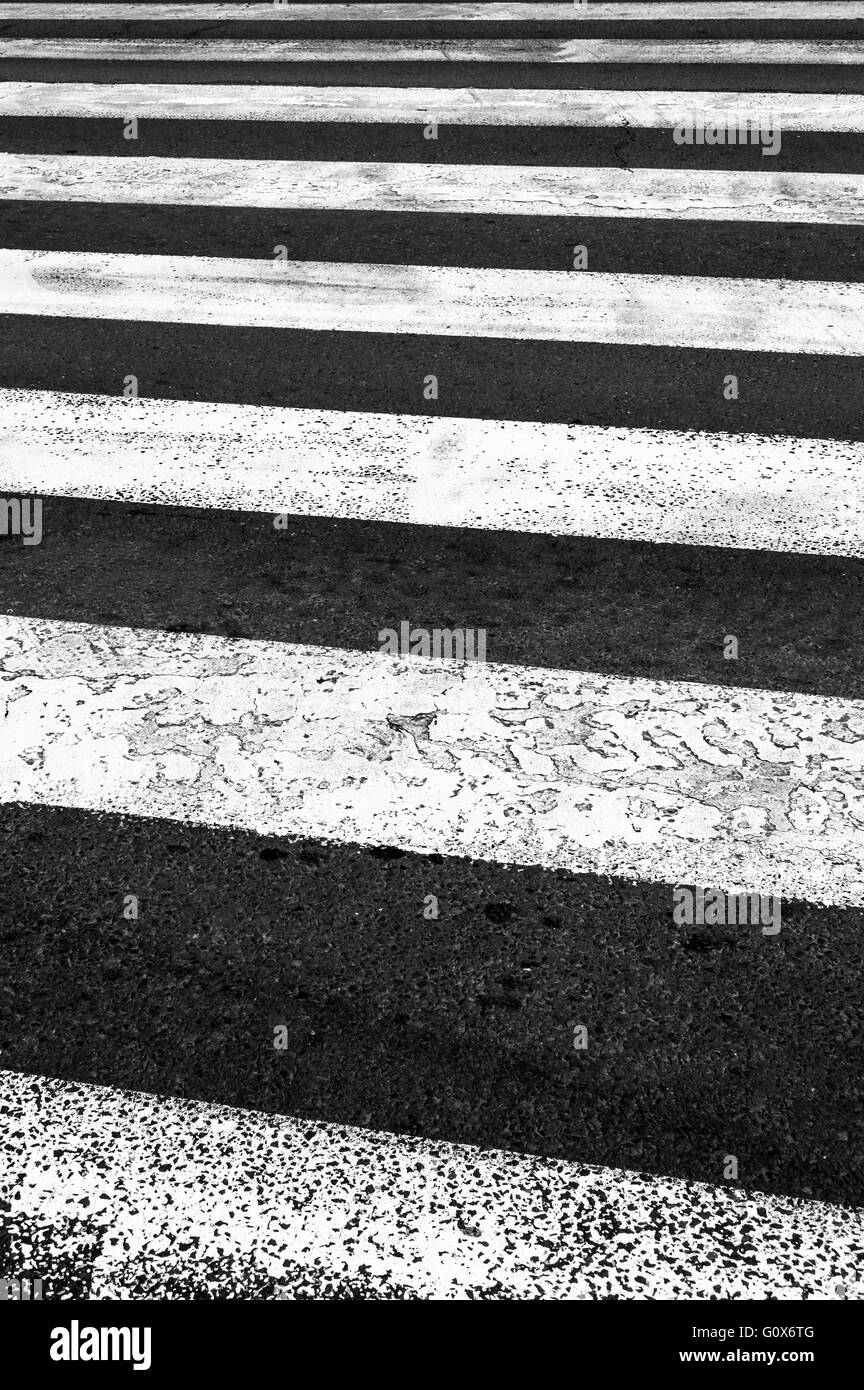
x: 786, y: 51
x: 750, y: 10
x: 687, y: 311
x: 484, y: 106
x: 748, y: 491
x: 650, y: 780
x: 176, y: 1187
x: 524, y: 190
x: 746, y: 10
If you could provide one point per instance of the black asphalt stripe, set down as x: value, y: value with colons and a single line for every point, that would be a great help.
x: 623, y: 608
x: 722, y: 77
x: 572, y: 28
x: 702, y: 1042
x: 614, y: 244
x: 809, y: 395
x: 573, y: 146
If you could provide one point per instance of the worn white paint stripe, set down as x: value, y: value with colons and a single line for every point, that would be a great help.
x: 786, y: 51
x: 524, y: 190
x: 651, y: 780
x: 687, y: 311
x: 749, y: 491
x: 485, y: 106
x: 176, y: 1190
x: 750, y: 10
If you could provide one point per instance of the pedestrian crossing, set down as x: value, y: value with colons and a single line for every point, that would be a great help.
x: 340, y: 959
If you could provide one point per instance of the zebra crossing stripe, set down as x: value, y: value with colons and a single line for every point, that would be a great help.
x: 653, y: 310
x: 846, y: 52
x: 838, y: 112
x: 749, y: 10
x: 682, y: 194
x: 746, y: 490
x: 320, y: 1209
x: 648, y: 780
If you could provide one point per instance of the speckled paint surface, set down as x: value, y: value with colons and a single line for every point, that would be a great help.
x: 748, y: 490
x: 152, y: 1198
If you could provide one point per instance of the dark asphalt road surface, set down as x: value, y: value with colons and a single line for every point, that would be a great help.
x: 684, y: 77
x: 572, y: 146
x: 628, y: 608
x: 702, y: 1042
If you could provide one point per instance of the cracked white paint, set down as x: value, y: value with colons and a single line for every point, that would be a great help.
x: 644, y: 779
x: 523, y: 190
x: 785, y: 51
x: 172, y: 1188
x: 566, y: 12
x: 686, y: 311
x: 483, y: 106
x: 745, y: 490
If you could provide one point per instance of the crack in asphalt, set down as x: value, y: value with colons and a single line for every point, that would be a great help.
x: 631, y: 140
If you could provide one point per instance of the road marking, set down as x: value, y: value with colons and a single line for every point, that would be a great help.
x: 317, y: 1208
x: 749, y: 10
x: 683, y: 194
x: 671, y: 782
x: 748, y: 491
x: 687, y: 311
x: 495, y: 51
x: 479, y: 106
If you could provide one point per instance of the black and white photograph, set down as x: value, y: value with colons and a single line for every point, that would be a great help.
x: 431, y: 671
